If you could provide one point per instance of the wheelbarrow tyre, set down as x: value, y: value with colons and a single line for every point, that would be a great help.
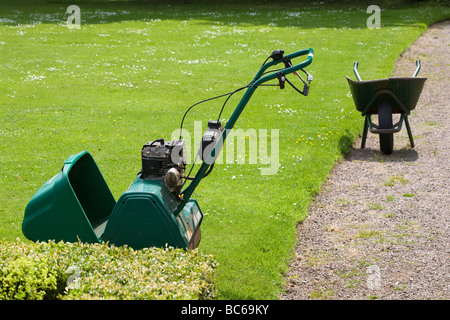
x: 385, y: 122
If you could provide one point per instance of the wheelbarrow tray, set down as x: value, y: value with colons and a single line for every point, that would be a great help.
x: 402, y: 93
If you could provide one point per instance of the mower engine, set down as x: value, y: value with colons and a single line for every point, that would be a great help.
x: 166, y: 160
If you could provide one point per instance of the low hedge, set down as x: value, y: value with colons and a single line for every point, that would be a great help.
x: 79, y: 271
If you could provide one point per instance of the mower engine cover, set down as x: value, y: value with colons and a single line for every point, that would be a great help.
x: 144, y: 217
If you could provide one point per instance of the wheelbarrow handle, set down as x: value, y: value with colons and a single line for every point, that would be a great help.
x: 355, y: 70
x: 417, y: 68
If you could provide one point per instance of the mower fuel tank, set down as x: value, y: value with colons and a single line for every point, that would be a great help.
x: 209, y: 139
x: 143, y: 217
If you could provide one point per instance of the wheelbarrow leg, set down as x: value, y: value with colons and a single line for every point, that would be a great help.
x: 408, y: 128
x: 366, y: 128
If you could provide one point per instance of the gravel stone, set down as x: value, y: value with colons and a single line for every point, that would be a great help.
x: 379, y: 228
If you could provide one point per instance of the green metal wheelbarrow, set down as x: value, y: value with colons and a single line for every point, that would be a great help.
x: 156, y: 210
x: 384, y: 97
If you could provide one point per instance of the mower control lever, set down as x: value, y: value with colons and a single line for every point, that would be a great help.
x: 288, y: 64
x: 309, y: 77
x: 277, y: 54
x: 281, y: 80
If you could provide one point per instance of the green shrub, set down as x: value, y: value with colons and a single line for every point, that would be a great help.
x: 23, y: 279
x: 49, y: 270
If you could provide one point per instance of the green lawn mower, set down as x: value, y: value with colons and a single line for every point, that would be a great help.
x: 157, y: 209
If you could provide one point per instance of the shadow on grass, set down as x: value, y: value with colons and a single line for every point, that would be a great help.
x: 345, y: 143
x: 304, y: 14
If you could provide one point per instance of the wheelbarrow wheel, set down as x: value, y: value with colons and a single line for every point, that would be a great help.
x: 385, y: 122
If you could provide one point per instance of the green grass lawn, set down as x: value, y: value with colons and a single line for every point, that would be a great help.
x: 128, y: 75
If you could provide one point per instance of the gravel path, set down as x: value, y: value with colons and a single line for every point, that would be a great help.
x: 379, y: 229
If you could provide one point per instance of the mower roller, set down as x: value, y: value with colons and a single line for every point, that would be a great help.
x: 156, y: 210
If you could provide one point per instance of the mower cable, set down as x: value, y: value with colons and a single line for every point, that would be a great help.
x: 272, y: 71
x: 216, y: 97
x: 262, y: 85
x: 226, y: 94
x: 229, y: 96
x: 266, y: 60
x: 188, y: 176
x: 220, y: 113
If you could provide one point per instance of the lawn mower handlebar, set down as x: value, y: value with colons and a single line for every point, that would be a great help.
x: 279, y: 58
x: 300, y: 53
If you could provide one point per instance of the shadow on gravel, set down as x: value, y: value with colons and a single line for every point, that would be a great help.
x: 371, y: 155
x: 351, y: 151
